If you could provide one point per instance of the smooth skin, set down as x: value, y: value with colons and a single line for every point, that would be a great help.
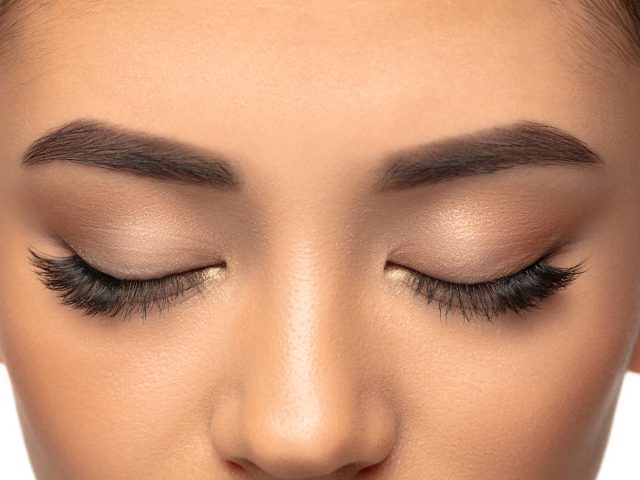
x: 310, y: 358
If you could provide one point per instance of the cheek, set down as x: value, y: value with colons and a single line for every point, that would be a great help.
x: 530, y: 400
x: 102, y: 399
x: 525, y: 401
x: 550, y: 411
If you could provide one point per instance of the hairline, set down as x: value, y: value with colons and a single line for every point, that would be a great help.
x: 607, y: 27
x: 613, y: 27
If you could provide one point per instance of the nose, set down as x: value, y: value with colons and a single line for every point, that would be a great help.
x: 302, y: 407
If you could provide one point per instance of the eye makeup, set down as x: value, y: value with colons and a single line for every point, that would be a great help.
x: 470, y: 233
x: 130, y: 227
x: 477, y: 232
x: 84, y: 287
x: 522, y: 291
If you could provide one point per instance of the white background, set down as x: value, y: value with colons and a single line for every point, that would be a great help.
x: 621, y: 461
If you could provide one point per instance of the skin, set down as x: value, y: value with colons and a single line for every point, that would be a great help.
x: 309, y: 358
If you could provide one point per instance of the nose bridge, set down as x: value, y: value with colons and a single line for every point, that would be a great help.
x: 301, y: 412
x: 302, y: 373
x: 302, y: 407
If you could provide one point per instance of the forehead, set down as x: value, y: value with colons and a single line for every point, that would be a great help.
x: 270, y: 76
x: 329, y: 46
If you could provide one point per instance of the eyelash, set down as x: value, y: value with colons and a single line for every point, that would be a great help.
x: 81, y: 286
x: 522, y: 291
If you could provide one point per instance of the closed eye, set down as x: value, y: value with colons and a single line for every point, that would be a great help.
x: 522, y: 291
x: 84, y: 287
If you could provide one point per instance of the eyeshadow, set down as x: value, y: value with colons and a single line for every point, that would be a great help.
x: 479, y: 230
x: 134, y: 225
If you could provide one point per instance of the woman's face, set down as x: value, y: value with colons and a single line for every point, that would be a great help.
x: 317, y: 156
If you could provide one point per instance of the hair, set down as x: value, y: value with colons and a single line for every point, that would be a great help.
x: 611, y: 26
x: 11, y: 15
x: 5, y: 5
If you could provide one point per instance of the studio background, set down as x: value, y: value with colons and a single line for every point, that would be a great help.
x: 621, y: 461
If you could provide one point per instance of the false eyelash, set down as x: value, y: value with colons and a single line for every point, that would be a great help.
x: 522, y: 291
x: 81, y: 286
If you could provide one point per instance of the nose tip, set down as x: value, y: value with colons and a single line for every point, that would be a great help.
x: 305, y: 401
x: 313, y: 443
x: 306, y: 439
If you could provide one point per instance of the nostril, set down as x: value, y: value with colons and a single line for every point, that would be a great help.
x: 234, y: 466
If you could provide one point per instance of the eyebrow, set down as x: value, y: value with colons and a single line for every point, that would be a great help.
x: 523, y: 143
x: 101, y: 144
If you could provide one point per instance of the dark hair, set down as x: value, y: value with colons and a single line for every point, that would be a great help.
x: 613, y: 26
x: 5, y: 5
x: 8, y: 23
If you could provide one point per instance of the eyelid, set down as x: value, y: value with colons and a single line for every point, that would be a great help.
x: 82, y: 286
x: 123, y: 269
x: 155, y: 278
x: 490, y: 281
x: 518, y: 292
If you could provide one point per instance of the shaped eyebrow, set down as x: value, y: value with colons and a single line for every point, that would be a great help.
x: 519, y: 144
x: 100, y: 144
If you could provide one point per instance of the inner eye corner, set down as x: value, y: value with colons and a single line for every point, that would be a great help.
x: 391, y: 264
x: 393, y: 268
